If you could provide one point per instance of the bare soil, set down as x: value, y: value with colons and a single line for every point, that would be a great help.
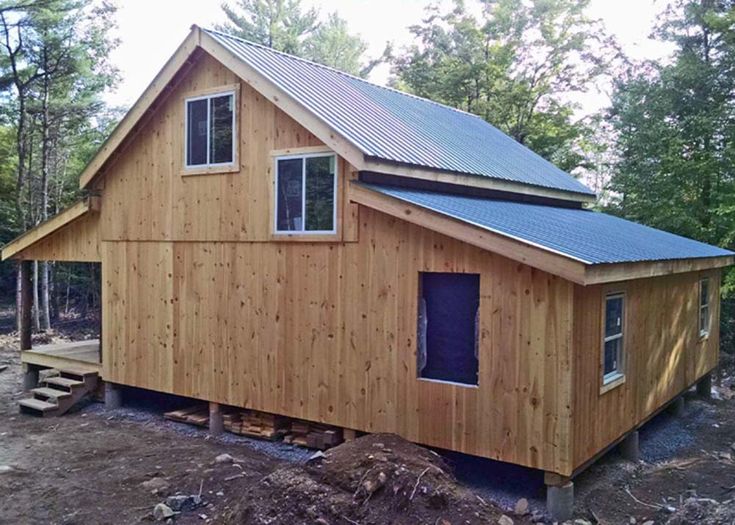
x: 100, y: 466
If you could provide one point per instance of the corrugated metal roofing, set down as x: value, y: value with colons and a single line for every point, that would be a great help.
x: 397, y: 127
x: 587, y: 236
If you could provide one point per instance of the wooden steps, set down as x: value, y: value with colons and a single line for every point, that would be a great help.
x: 59, y: 391
x: 263, y: 425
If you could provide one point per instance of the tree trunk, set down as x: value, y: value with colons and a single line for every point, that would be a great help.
x: 45, y: 307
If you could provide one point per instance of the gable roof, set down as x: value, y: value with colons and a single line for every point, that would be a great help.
x: 374, y: 128
x: 393, y: 126
x: 591, y: 239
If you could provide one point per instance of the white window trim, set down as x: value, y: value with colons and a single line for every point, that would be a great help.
x: 335, y: 176
x: 617, y: 375
x: 208, y: 96
x: 703, y: 332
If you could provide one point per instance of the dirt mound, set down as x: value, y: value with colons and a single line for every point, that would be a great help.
x: 704, y: 511
x: 377, y: 479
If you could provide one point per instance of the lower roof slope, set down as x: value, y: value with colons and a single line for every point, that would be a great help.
x: 389, y: 125
x: 586, y: 236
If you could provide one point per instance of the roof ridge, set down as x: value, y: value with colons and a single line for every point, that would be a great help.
x: 343, y: 73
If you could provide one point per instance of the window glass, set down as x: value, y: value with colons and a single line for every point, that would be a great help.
x: 221, y: 132
x: 289, y: 204
x: 305, y: 193
x: 612, y: 359
x: 614, y: 316
x: 196, y: 151
x: 320, y: 193
x: 612, y: 351
x: 704, y: 307
x: 447, y: 327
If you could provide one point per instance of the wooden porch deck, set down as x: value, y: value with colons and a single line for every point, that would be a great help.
x: 83, y: 356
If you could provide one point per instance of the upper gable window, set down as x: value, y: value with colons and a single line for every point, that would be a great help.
x: 306, y: 189
x: 210, y: 130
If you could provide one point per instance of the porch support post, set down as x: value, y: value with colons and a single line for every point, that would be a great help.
x: 704, y: 386
x: 559, y: 497
x: 216, y: 422
x: 25, y: 304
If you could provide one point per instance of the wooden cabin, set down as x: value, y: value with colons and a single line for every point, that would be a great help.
x: 277, y: 235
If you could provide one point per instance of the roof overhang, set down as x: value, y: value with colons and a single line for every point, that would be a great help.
x: 48, y: 227
x: 164, y: 82
x: 520, y: 250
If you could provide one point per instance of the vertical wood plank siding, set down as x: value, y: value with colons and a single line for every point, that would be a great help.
x: 663, y: 351
x: 200, y: 300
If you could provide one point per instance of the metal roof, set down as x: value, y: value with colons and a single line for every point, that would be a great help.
x: 588, y: 236
x: 393, y: 126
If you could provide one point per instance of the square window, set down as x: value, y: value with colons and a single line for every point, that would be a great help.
x: 305, y: 194
x: 448, y: 327
x: 210, y: 130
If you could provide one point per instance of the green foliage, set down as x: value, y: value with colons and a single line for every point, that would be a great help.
x: 517, y: 65
x: 283, y: 25
x: 676, y: 128
x: 280, y: 24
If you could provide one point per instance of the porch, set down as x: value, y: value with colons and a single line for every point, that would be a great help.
x: 82, y: 356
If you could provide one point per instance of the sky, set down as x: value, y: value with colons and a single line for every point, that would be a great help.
x: 151, y: 30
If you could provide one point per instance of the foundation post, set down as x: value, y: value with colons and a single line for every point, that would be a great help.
x: 25, y: 303
x: 30, y: 376
x: 348, y: 434
x: 677, y: 406
x: 629, y: 447
x: 113, y: 395
x: 559, y: 497
x: 216, y: 422
x: 704, y: 386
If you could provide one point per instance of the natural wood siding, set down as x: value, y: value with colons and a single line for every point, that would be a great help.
x: 77, y: 241
x: 327, y: 332
x: 663, y: 350
x: 147, y: 198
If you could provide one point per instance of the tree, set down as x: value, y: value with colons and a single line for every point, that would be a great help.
x: 279, y: 24
x: 284, y: 26
x: 676, y: 127
x: 53, y: 70
x: 518, y: 65
x: 333, y: 45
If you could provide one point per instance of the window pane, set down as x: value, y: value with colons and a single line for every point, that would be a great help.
x: 290, y: 216
x: 447, y: 327
x: 613, y: 316
x: 703, y: 292
x: 612, y: 353
x: 196, y: 134
x: 704, y: 319
x: 320, y: 193
x: 221, y: 135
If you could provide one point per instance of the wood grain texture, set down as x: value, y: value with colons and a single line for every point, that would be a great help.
x: 327, y: 332
x: 76, y: 241
x: 146, y: 198
x: 664, y: 354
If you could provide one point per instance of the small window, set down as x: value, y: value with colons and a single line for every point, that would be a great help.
x: 210, y: 130
x: 704, y: 307
x: 306, y: 187
x: 613, y: 340
x: 448, y: 320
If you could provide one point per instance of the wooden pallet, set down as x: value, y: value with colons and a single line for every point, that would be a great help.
x: 313, y: 435
x: 263, y: 425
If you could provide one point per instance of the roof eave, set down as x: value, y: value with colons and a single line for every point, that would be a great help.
x: 554, y: 262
